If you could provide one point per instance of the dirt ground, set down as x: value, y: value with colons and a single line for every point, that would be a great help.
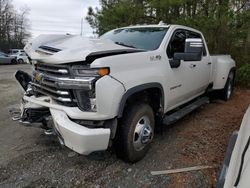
x: 28, y: 158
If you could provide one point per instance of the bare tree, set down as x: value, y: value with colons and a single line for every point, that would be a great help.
x: 13, y: 25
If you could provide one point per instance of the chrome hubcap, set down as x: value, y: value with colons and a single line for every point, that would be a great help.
x: 143, y: 133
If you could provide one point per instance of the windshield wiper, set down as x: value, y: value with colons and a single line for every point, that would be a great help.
x: 126, y: 45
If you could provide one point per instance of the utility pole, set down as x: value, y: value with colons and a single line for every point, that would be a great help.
x: 81, y: 26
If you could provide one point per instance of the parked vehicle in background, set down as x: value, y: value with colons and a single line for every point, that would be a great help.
x: 21, y: 57
x: 15, y: 51
x: 236, y: 167
x: 118, y: 88
x: 6, y: 59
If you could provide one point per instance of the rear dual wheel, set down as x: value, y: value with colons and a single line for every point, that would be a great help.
x: 135, y: 132
x: 227, y: 92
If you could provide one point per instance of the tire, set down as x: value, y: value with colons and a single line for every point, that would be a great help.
x: 20, y: 61
x: 227, y: 92
x: 135, y: 133
x: 13, y: 61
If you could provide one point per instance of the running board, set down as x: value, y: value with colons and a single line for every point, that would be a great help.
x: 172, y: 118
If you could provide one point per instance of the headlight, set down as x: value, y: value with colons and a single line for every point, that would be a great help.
x: 83, y: 71
x: 86, y: 100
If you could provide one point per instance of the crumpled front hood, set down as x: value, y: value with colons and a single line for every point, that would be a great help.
x: 59, y: 49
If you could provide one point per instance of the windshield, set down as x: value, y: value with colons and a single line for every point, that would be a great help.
x: 148, y: 38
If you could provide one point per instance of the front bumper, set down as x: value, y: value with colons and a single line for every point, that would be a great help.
x: 81, y: 139
x: 72, y: 112
x: 77, y: 137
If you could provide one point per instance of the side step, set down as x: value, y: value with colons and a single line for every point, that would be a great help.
x: 172, y: 118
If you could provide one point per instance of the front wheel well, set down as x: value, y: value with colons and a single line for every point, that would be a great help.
x: 152, y: 96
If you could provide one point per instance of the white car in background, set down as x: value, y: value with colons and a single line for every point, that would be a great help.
x: 15, y: 51
x: 20, y: 55
x: 6, y: 59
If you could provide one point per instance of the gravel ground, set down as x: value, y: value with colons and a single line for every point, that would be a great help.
x: 28, y: 158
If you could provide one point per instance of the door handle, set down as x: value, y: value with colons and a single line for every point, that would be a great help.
x: 209, y: 63
x: 192, y: 65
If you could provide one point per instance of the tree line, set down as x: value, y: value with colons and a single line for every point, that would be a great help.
x: 13, y: 26
x: 225, y: 23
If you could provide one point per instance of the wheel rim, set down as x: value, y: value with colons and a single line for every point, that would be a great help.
x: 229, y: 90
x: 143, y: 133
x: 20, y: 61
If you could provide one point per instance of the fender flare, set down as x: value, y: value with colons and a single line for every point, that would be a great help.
x: 137, y: 89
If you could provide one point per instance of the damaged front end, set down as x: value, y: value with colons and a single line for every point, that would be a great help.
x: 29, y: 113
x: 52, y: 93
x: 64, y: 93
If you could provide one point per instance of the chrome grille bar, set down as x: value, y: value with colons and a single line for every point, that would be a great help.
x: 59, y: 92
x: 68, y: 83
x: 52, y: 70
x: 62, y: 99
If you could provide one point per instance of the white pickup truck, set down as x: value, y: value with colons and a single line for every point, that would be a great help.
x: 118, y: 88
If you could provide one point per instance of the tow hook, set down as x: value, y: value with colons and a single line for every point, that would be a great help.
x: 49, y: 132
x: 15, y: 114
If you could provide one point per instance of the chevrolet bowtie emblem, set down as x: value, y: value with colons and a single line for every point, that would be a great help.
x: 38, y: 77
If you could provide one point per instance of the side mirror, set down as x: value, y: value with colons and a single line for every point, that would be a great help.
x: 193, y: 50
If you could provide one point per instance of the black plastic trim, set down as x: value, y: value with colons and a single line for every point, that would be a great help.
x: 242, y: 162
x: 136, y: 89
x: 50, y: 49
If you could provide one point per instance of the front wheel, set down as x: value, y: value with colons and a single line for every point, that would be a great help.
x: 227, y: 92
x: 135, y: 132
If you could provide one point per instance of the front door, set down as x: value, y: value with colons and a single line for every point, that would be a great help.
x: 190, y: 78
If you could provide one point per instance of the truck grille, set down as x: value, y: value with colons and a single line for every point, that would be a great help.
x: 44, y: 83
x: 53, y: 70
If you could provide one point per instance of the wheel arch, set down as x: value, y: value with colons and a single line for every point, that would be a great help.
x: 139, y: 89
x: 220, y: 78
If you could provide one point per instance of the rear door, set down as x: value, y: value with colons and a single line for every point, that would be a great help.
x: 201, y: 70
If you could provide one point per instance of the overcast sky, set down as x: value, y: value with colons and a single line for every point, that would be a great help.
x: 57, y: 16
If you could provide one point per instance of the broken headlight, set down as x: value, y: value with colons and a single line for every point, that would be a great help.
x: 86, y: 99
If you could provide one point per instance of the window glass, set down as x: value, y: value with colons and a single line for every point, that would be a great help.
x: 3, y: 54
x: 191, y: 34
x: 148, y: 38
x: 177, y: 43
